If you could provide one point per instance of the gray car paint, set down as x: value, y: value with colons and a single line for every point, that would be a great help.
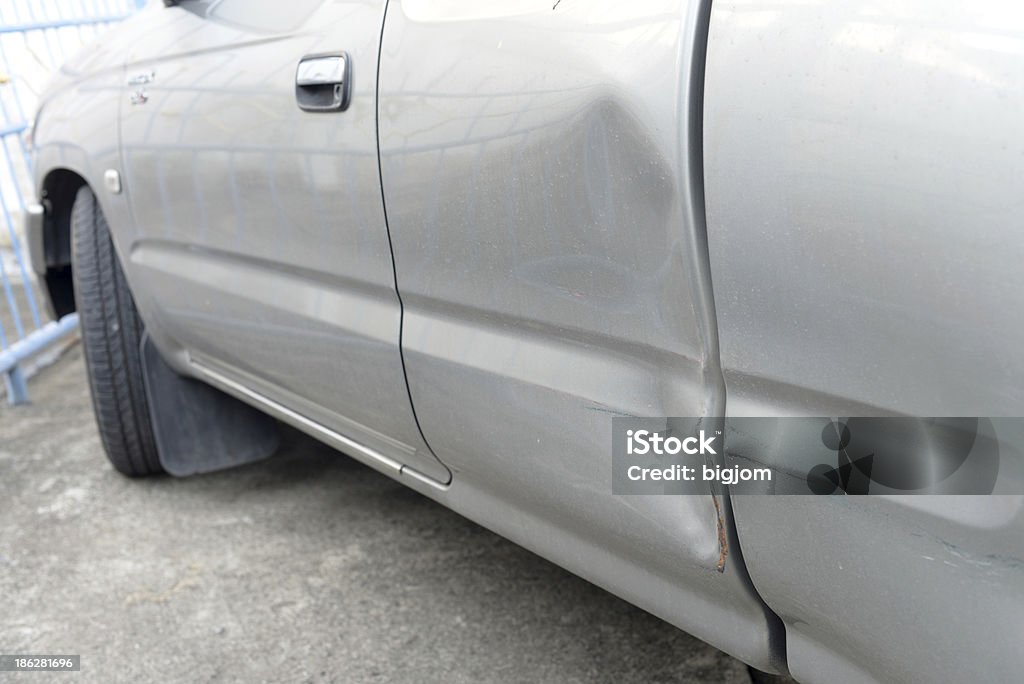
x: 541, y: 211
x: 542, y: 184
x: 259, y: 232
x: 863, y: 175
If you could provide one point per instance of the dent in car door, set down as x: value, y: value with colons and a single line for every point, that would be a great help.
x: 537, y: 187
x: 260, y: 242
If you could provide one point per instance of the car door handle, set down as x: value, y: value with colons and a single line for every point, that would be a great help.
x: 322, y: 82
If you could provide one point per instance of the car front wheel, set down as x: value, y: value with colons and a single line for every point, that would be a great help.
x: 111, y: 335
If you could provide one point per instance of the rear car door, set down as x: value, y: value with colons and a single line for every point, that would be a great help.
x: 259, y: 239
x: 536, y: 164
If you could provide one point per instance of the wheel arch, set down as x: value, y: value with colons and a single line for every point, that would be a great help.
x: 57, y: 195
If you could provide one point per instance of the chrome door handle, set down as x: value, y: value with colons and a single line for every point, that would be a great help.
x: 322, y: 82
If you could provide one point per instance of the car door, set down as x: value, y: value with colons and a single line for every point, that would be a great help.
x: 537, y: 172
x: 259, y: 241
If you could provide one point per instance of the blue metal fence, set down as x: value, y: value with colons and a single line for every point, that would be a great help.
x: 36, y: 37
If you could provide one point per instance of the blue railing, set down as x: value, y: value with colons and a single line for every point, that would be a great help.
x: 36, y: 37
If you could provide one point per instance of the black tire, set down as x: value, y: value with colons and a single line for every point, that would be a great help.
x: 111, y: 335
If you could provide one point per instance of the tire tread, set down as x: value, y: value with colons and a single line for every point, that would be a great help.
x: 111, y: 337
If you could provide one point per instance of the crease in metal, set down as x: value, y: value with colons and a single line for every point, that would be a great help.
x: 693, y: 61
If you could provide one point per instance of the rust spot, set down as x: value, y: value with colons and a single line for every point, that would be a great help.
x: 723, y: 542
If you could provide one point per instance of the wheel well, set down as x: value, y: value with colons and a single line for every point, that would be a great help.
x: 59, y: 189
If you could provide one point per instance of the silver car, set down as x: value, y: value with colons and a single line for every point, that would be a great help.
x: 456, y: 239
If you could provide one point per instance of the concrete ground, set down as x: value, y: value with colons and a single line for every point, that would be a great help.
x: 20, y: 296
x: 306, y: 567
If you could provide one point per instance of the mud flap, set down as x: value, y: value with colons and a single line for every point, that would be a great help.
x: 200, y: 429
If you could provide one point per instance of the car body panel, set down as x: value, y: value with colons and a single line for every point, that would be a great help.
x: 538, y: 195
x: 73, y: 127
x: 863, y: 167
x: 259, y: 240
